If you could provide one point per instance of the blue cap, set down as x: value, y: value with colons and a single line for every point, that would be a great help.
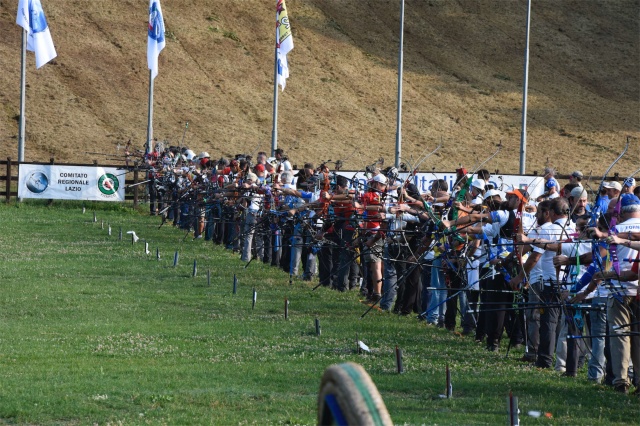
x: 629, y: 200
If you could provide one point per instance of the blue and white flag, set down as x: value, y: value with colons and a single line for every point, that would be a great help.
x: 284, y: 42
x: 155, y: 38
x: 31, y: 18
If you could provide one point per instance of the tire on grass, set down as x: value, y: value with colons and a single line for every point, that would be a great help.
x: 349, y: 396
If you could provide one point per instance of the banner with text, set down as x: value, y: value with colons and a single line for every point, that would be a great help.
x: 533, y: 184
x: 71, y: 182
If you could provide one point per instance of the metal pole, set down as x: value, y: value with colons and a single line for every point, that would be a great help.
x: 150, y: 114
x: 400, y: 71
x: 23, y: 89
x: 274, y: 130
x: 23, y: 85
x: 525, y: 89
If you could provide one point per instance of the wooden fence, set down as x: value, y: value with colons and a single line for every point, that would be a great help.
x: 10, y: 179
x: 133, y: 193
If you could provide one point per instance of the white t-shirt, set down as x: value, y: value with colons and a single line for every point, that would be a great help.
x: 624, y: 253
x: 536, y: 272
x: 551, y: 232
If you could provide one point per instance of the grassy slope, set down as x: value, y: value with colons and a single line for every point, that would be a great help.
x: 95, y: 331
x: 463, y: 78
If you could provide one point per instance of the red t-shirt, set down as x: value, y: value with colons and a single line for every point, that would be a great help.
x: 371, y: 199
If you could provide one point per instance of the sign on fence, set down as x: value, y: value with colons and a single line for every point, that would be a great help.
x: 59, y: 182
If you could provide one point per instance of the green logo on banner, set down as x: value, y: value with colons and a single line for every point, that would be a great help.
x: 108, y: 184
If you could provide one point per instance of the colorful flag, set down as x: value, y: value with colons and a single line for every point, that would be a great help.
x: 31, y: 18
x: 155, y: 39
x: 284, y: 42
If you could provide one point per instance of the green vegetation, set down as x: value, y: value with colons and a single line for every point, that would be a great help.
x: 96, y: 331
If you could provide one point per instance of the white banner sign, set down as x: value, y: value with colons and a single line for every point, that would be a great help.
x: 533, y: 184
x: 71, y: 183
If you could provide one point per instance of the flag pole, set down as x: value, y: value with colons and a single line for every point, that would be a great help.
x: 525, y: 89
x: 274, y: 130
x: 150, y: 114
x: 400, y: 72
x: 23, y: 85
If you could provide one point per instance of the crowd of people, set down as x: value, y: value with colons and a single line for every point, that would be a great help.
x: 556, y: 275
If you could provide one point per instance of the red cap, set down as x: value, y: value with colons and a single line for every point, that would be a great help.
x: 461, y: 171
x: 259, y: 168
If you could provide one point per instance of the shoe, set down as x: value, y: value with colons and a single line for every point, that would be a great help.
x: 197, y: 237
x: 516, y: 346
x: 493, y: 348
x: 450, y: 327
x: 637, y: 391
x: 375, y: 297
x: 623, y: 389
x: 567, y: 374
x: 467, y: 332
x: 440, y: 324
x: 528, y: 358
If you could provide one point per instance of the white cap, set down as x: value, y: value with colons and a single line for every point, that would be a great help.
x: 380, y: 178
x: 578, y: 192
x: 630, y: 182
x: 492, y: 193
x: 252, y: 177
x: 189, y: 154
x: 612, y: 185
x: 204, y: 154
x: 479, y: 183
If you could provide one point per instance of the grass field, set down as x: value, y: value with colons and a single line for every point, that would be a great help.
x: 95, y: 331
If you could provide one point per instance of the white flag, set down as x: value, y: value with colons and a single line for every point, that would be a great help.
x: 155, y: 38
x: 31, y: 18
x: 284, y: 42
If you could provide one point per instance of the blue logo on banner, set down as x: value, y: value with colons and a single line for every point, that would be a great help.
x: 37, y: 182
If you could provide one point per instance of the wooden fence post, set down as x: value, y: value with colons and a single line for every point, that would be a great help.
x: 135, y: 188
x: 8, y: 181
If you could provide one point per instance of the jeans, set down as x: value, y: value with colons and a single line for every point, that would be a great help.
x: 249, y: 231
x: 437, y: 307
x: 426, y: 280
x: 392, y: 270
x: 596, y: 367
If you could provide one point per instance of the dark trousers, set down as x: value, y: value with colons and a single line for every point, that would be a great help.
x: 481, y: 325
x: 328, y: 259
x: 412, y: 291
x: 548, y: 327
x: 497, y: 303
x: 347, y: 260
x: 573, y: 350
x: 452, y: 299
